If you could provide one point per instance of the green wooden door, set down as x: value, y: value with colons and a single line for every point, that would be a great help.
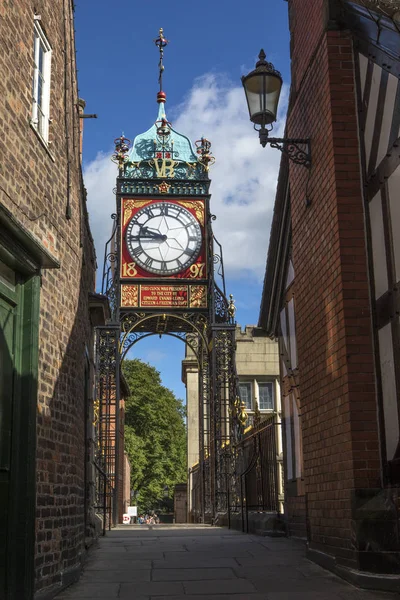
x: 8, y: 308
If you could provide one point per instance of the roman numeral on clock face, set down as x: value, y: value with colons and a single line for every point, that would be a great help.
x: 148, y: 262
x: 135, y: 251
x: 164, y: 210
x: 149, y: 212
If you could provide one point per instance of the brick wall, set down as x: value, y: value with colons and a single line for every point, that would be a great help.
x: 34, y: 187
x: 127, y: 483
x: 332, y: 301
x: 307, y: 23
x: 295, y: 512
x: 121, y: 461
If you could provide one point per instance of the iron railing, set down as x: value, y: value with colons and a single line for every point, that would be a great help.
x: 251, y: 470
x: 260, y: 484
x: 103, y: 497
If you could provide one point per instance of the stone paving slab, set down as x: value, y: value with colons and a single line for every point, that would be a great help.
x: 192, y: 574
x: 214, y: 597
x: 192, y: 563
x: 91, y: 590
x: 128, y: 575
x: 205, y: 588
x: 283, y: 584
x: 151, y: 588
x: 103, y: 564
x: 187, y: 562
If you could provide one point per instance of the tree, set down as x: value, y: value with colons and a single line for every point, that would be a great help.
x: 155, y: 434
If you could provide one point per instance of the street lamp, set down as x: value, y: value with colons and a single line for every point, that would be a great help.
x: 166, y: 491
x: 262, y: 87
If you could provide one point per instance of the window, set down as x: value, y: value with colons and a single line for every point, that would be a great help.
x: 292, y: 435
x: 266, y: 396
x: 245, y: 395
x: 41, y: 83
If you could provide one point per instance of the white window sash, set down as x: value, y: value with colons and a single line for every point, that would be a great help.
x: 41, y: 122
x: 244, y: 385
x: 268, y: 385
x: 35, y: 79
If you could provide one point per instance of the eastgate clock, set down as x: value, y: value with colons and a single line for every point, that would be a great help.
x: 163, y: 238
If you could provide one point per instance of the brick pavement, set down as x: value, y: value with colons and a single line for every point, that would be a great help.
x: 194, y: 562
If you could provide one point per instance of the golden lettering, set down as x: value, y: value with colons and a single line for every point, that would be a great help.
x: 129, y: 270
x: 196, y: 271
x: 165, y: 167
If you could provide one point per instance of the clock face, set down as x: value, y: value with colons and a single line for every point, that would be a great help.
x: 163, y: 238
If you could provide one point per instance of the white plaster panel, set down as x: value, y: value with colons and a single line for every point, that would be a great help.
x: 292, y: 335
x: 390, y: 408
x: 394, y: 203
x: 296, y: 428
x: 284, y: 330
x: 363, y: 60
x: 371, y: 110
x: 378, y: 246
x: 290, y: 275
x: 288, y: 439
x: 387, y: 118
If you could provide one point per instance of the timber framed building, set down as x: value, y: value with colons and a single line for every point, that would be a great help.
x: 331, y: 291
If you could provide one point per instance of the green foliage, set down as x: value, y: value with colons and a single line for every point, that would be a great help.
x: 155, y: 434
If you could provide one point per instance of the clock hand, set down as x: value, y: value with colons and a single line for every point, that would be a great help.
x: 149, y: 230
x: 146, y: 233
x: 154, y: 233
x: 149, y: 236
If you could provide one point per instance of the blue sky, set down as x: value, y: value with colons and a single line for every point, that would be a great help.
x: 211, y: 46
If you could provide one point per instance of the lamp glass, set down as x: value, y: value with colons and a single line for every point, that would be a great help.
x: 262, y: 94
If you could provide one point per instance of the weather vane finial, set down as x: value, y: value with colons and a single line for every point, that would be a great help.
x: 161, y: 42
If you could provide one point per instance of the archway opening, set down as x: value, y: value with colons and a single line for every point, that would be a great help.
x: 156, y: 429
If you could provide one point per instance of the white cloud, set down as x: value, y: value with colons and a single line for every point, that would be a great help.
x: 100, y: 180
x: 243, y: 177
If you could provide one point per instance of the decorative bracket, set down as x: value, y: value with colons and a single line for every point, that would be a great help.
x: 290, y: 146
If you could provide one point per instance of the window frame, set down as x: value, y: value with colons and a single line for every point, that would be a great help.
x: 41, y: 124
x: 249, y: 385
x: 260, y: 384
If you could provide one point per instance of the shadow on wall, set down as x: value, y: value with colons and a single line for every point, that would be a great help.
x: 63, y: 519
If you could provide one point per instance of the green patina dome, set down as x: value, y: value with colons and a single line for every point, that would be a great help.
x: 143, y: 147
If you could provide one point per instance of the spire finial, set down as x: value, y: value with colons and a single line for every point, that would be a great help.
x: 161, y: 42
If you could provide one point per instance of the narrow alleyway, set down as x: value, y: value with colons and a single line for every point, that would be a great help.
x: 194, y: 562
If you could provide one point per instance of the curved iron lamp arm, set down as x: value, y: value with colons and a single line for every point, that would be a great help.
x: 290, y: 146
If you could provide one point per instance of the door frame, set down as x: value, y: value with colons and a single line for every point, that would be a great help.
x: 21, y: 252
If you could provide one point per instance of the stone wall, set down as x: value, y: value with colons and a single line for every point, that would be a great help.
x: 256, y: 354
x: 41, y: 185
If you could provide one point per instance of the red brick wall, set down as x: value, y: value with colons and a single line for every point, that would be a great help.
x: 307, y: 23
x: 33, y: 186
x: 121, y: 462
x: 332, y: 302
x: 127, y: 482
x: 295, y: 512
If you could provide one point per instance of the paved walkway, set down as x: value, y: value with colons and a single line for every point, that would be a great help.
x: 193, y: 562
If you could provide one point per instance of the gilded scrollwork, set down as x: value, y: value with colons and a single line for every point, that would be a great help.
x: 198, y: 208
x: 198, y: 296
x: 130, y: 205
x: 129, y: 295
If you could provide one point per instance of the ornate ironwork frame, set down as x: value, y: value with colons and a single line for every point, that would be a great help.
x: 209, y: 333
